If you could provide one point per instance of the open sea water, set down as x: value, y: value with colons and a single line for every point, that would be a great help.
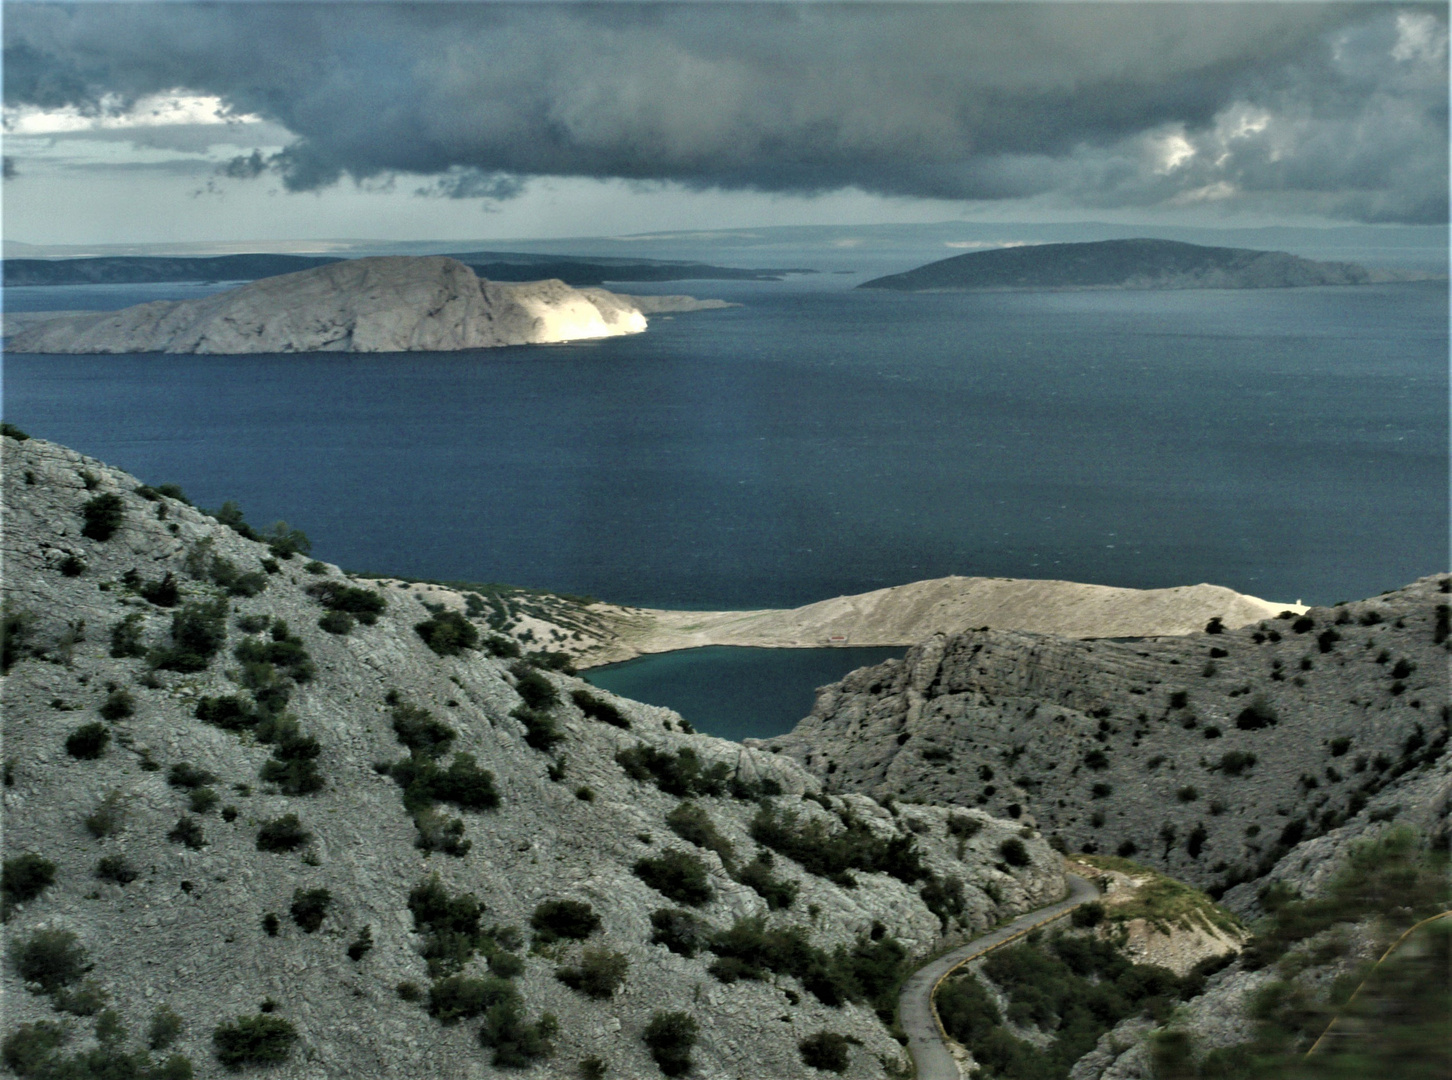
x: 817, y: 441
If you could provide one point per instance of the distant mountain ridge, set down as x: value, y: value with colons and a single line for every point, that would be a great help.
x: 1129, y: 264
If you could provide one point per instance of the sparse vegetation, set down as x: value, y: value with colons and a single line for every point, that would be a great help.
x: 598, y: 709
x: 779, y: 893
x: 285, y: 833
x: 556, y: 919
x: 198, y: 632
x: 88, y: 741
x: 126, y: 637
x: 827, y: 1050
x: 103, y: 515
x: 22, y: 879
x: 116, y: 869
x: 678, y: 876
x: 309, y: 907
x: 833, y: 854
x: 670, y: 1037
x: 357, y: 604
x: 261, y: 1039
x: 118, y: 705
x: 448, y: 633
x: 362, y: 945
x: 690, y: 822
x: 50, y: 959
x: 188, y: 831
x: 599, y: 973
x: 679, y: 931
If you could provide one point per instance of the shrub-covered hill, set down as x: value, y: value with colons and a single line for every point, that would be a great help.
x: 1209, y: 756
x: 260, y: 814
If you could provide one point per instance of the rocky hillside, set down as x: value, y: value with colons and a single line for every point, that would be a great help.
x: 1209, y: 756
x: 260, y: 813
x: 382, y: 304
x: 1126, y: 264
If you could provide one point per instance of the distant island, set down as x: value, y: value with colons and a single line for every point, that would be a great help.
x: 494, y: 265
x: 1129, y: 264
x: 384, y: 304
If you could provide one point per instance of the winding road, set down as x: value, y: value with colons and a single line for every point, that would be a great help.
x: 915, y: 1005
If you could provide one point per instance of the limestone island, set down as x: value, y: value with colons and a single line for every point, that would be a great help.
x: 1130, y: 264
x: 382, y: 304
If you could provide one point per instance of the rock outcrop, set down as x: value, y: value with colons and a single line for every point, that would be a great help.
x: 383, y: 304
x: 1128, y: 264
x: 173, y: 688
x: 1207, y: 756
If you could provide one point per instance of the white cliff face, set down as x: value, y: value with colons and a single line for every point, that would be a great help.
x: 385, y: 304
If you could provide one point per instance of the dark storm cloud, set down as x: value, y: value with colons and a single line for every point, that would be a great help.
x: 1334, y: 109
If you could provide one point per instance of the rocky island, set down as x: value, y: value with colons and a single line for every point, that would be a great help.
x: 382, y: 304
x: 1128, y: 264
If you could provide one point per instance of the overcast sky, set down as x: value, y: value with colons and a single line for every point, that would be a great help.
x: 149, y: 122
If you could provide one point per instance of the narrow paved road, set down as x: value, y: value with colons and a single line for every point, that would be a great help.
x: 915, y: 1006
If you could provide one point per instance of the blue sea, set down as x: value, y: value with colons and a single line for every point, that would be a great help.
x: 819, y: 440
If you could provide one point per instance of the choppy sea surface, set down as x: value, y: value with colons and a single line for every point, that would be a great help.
x: 818, y: 441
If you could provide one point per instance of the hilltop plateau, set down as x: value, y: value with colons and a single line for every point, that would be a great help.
x: 259, y: 812
x: 382, y: 304
x: 1128, y: 264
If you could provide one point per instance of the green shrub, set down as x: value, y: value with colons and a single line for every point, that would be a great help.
x: 186, y: 775
x: 943, y: 896
x: 439, y: 832
x: 597, y: 709
x: 833, y: 854
x: 282, y: 834
x: 262, y: 1039
x: 103, y: 515
x: 163, y: 593
x: 679, y: 931
x: 680, y: 774
x: 516, y: 1042
x: 1235, y: 762
x: 1013, y: 852
x: 670, y: 1037
x: 85, y: 1000
x: 536, y: 690
x: 33, y: 1049
x: 198, y: 632
x: 126, y: 637
x: 166, y: 1027
x: 448, y: 633
x: 827, y: 1051
x: 10, y: 431
x: 336, y: 622
x: 1258, y: 714
x: 599, y: 974
x: 448, y: 924
x: 188, y: 831
x: 678, y: 876
x: 364, y: 605
x: 556, y: 919
x: 118, y: 705
x: 231, y: 713
x: 116, y: 869
x: 284, y: 652
x: 540, y: 730
x: 293, y: 766
x: 202, y: 800
x: 271, y: 924
x: 593, y: 1068
x: 690, y: 822
x: 285, y: 542
x: 463, y: 783
x: 418, y: 730
x: 309, y: 906
x: 23, y: 878
x: 51, y: 959
x: 778, y: 893
x: 16, y: 631
x: 460, y: 997
x: 1087, y: 915
x: 88, y: 741
x: 409, y: 991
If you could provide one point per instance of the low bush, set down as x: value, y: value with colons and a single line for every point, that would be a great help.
x: 165, y: 592
x: 202, y: 800
x: 285, y: 833
x: 103, y: 515
x: 418, y: 730
x: 556, y: 919
x: 118, y: 705
x: 1235, y: 762
x: 271, y: 924
x: 833, y: 854
x: 262, y: 1039
x: 293, y: 766
x: 285, y: 652
x: 50, y: 959
x: 460, y: 997
x: 690, y: 822
x: 679, y: 931
x: 186, y: 775
x: 670, y: 1037
x: 166, y: 1027
x: 23, y: 878
x: 439, y: 832
x: 448, y: 924
x: 1258, y: 714
x: 463, y: 783
x: 116, y: 869
x: 779, y: 893
x: 680, y: 774
x: 678, y: 876
x: 516, y: 1042
x: 364, y: 605
x: 336, y: 622
x: 598, y: 975
x: 188, y: 831
x: 88, y: 741
x: 1013, y: 852
x: 448, y: 633
x: 827, y: 1051
x: 126, y: 637
x: 540, y: 730
x: 597, y: 709
x: 309, y: 907
x: 198, y: 632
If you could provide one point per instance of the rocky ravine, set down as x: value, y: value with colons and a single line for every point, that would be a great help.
x: 1209, y: 756
x: 381, y: 304
x: 113, y: 599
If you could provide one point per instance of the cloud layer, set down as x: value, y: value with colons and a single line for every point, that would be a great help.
x: 1337, y: 110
